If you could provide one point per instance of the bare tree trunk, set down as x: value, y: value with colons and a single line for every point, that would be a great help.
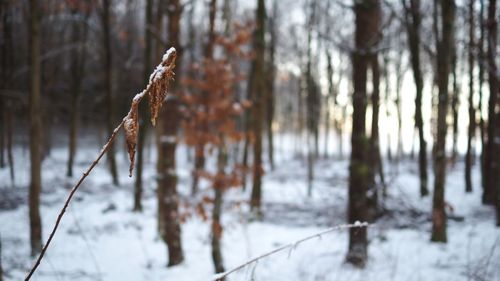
x: 444, y: 44
x: 79, y: 34
x: 257, y: 111
x: 330, y: 95
x: 9, y: 132
x: 217, y: 210
x: 375, y: 159
x: 413, y: 22
x: 481, y: 63
x: 368, y: 13
x: 472, y: 112
x: 143, y: 108
x: 168, y: 200
x: 199, y: 160
x: 271, y: 75
x: 455, y: 99
x: 108, y: 66
x: 35, y: 129
x: 490, y: 158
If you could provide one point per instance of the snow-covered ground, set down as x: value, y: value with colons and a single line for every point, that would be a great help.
x: 102, y: 239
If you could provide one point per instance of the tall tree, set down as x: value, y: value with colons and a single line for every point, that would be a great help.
x: 258, y: 73
x: 108, y: 68
x: 472, y: 111
x: 413, y: 21
x: 148, y: 24
x: 79, y: 36
x: 367, y: 17
x: 199, y: 158
x: 490, y: 156
x: 443, y: 47
x: 35, y: 128
x: 168, y: 200
x: 271, y: 75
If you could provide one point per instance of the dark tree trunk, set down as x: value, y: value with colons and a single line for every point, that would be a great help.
x: 455, y: 100
x: 472, y: 111
x: 110, y: 103
x: 217, y: 210
x: 78, y: 56
x: 168, y: 200
x: 444, y: 44
x: 481, y: 64
x: 375, y: 159
x: 413, y: 22
x: 143, y: 107
x: 329, y: 96
x: 271, y: 75
x: 367, y: 22
x: 8, y: 137
x: 258, y: 103
x: 35, y: 129
x: 491, y: 160
x: 199, y: 160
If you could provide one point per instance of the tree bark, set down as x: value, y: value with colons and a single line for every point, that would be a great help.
x: 110, y: 103
x: 367, y: 15
x: 490, y: 156
x: 413, y: 21
x: 216, y: 234
x: 444, y: 44
x: 271, y: 75
x: 472, y: 111
x: 258, y: 103
x: 35, y: 129
x: 168, y: 200
x: 79, y: 34
x: 143, y: 107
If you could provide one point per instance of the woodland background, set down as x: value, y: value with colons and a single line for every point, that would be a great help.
x: 283, y: 119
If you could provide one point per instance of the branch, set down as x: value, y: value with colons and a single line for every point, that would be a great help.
x: 221, y: 276
x: 156, y: 91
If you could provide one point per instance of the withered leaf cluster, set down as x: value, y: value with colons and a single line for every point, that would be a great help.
x: 156, y: 91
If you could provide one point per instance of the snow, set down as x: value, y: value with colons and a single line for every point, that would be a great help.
x: 100, y: 238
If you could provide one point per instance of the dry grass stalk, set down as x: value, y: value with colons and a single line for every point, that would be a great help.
x: 156, y: 90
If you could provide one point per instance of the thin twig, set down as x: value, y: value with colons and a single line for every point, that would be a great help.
x: 293, y: 245
x: 156, y: 89
x: 72, y: 193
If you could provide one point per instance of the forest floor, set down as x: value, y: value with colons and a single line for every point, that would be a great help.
x: 100, y: 238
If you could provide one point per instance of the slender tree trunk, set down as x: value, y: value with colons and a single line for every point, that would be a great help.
x: 444, y: 44
x: 271, y: 75
x: 367, y: 21
x: 399, y: 82
x: 257, y: 111
x: 79, y: 33
x: 199, y: 160
x: 216, y: 234
x: 9, y: 136
x: 375, y: 159
x: 413, y: 23
x: 35, y: 129
x: 168, y: 200
x: 472, y: 112
x: 110, y: 103
x: 481, y: 63
x: 330, y: 95
x: 490, y: 158
x: 143, y: 107
x: 455, y: 100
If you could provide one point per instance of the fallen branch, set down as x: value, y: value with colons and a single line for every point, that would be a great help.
x: 156, y: 90
x: 223, y: 275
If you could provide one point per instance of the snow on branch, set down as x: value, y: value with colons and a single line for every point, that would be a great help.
x: 291, y: 246
x: 156, y: 90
